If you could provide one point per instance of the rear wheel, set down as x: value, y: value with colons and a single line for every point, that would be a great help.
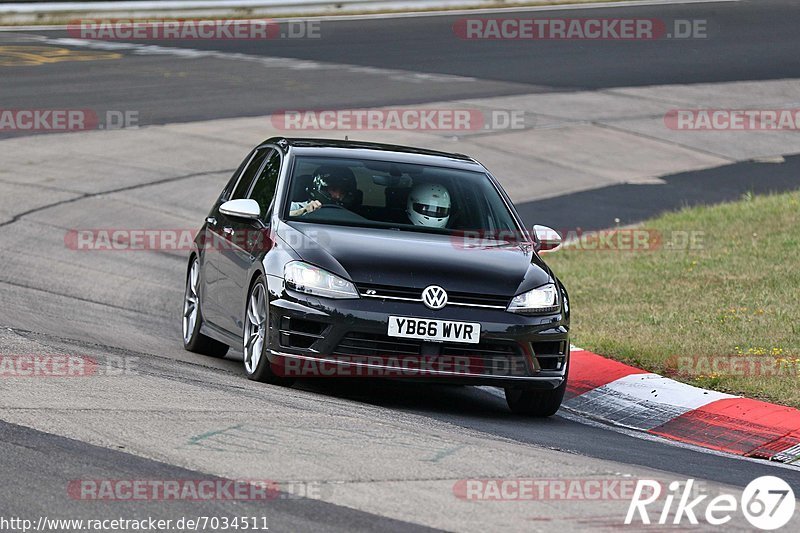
x: 193, y: 340
x: 256, y: 337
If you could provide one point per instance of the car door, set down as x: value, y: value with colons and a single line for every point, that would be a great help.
x: 217, y: 238
x: 247, y: 240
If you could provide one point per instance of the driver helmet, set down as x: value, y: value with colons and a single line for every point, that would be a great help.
x: 429, y: 205
x: 333, y: 185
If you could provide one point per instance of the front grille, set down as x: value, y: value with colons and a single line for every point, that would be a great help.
x: 491, y: 358
x: 482, y: 349
x: 477, y: 299
x: 383, y: 291
x: 381, y: 345
x: 550, y: 355
x: 494, y: 358
x: 453, y: 298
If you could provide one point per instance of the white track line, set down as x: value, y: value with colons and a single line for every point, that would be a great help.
x: 266, y: 61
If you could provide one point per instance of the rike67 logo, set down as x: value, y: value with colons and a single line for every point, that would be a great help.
x: 767, y: 503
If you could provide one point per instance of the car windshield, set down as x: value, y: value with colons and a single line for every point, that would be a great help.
x: 395, y: 195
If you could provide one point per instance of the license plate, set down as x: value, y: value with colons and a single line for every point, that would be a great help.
x: 434, y: 330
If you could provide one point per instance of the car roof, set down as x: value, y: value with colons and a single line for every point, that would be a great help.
x: 370, y: 150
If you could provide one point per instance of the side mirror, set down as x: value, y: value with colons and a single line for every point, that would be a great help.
x: 549, y: 239
x: 248, y: 209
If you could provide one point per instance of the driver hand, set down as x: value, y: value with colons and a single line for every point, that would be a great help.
x: 312, y: 206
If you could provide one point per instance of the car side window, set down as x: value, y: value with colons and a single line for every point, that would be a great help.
x: 234, y: 179
x: 246, y: 179
x: 263, y: 189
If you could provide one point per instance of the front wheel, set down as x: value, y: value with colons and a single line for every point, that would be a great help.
x: 538, y: 403
x: 256, y: 337
x: 193, y: 340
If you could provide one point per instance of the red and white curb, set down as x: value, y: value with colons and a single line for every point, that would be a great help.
x: 633, y: 398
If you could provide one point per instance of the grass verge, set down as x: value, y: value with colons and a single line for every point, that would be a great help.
x: 714, y: 300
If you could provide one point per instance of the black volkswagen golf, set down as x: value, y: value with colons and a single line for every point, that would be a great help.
x: 341, y: 258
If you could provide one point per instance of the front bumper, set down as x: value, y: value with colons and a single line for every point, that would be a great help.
x: 317, y: 337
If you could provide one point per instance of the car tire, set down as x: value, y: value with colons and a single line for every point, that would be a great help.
x: 256, y: 337
x: 193, y: 340
x: 537, y: 403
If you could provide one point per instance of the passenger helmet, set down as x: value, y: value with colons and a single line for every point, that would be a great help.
x: 429, y: 205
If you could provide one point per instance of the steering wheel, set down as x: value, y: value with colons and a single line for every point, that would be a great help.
x: 336, y: 206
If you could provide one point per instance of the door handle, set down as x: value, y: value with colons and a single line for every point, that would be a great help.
x: 212, y: 221
x: 227, y: 230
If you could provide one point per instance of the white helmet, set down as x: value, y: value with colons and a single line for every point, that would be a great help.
x: 429, y: 205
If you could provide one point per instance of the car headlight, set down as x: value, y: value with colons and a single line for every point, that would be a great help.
x: 309, y: 279
x: 541, y: 300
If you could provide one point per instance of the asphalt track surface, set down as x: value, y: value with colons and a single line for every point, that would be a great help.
x: 748, y: 40
x: 113, y: 313
x: 632, y: 203
x: 49, y: 463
